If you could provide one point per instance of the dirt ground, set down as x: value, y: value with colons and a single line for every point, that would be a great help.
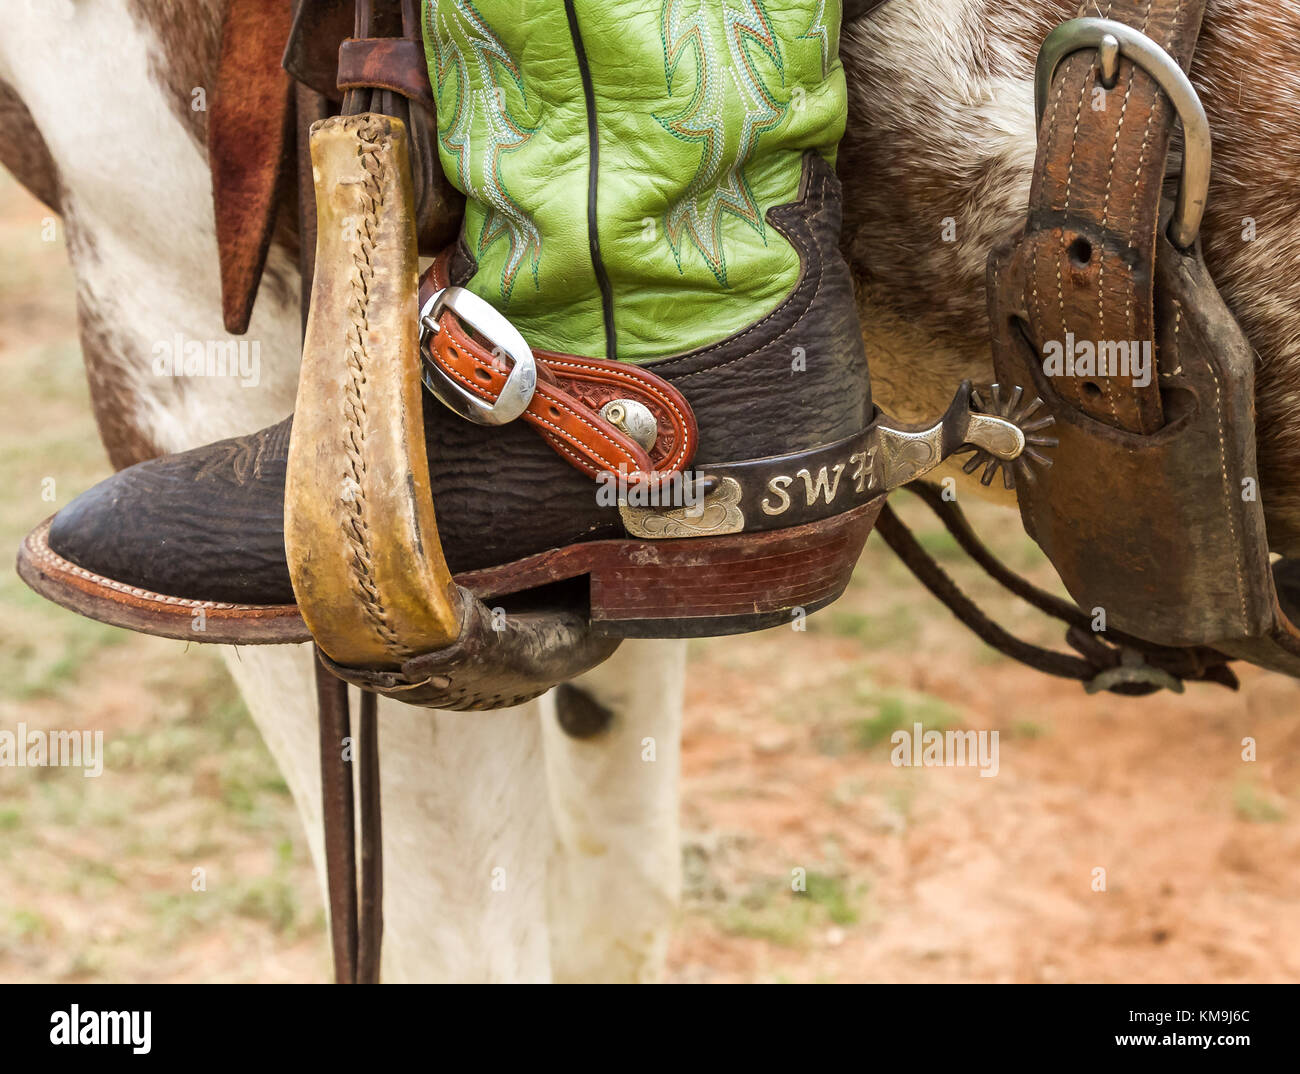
x: 1121, y: 840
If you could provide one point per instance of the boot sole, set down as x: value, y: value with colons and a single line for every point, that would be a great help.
x: 683, y: 588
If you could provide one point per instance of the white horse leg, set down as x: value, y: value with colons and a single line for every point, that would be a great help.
x: 615, y: 877
x: 467, y: 830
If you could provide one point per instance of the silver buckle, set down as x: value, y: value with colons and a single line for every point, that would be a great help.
x: 1112, y: 40
x: 516, y: 393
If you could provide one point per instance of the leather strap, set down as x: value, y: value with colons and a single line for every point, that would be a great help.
x: 783, y: 491
x: 570, y: 392
x: 1113, y: 661
x: 336, y: 815
x: 1153, y: 525
x: 393, y: 63
x: 312, y: 53
x: 249, y: 137
x: 1094, y: 208
x: 356, y: 919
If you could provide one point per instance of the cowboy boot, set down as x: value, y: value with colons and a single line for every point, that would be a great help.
x: 646, y: 332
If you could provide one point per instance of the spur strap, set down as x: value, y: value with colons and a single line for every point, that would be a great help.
x: 1094, y: 207
x: 1149, y: 507
x: 570, y: 393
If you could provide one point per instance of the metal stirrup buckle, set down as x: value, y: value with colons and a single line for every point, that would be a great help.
x: 1114, y: 39
x: 504, y: 338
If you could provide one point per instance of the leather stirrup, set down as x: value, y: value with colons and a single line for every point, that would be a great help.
x: 362, y: 541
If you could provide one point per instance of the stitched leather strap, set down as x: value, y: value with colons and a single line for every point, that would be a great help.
x: 394, y: 63
x: 565, y: 408
x: 248, y: 148
x: 1095, y: 206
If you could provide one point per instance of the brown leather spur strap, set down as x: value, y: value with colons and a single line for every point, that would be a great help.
x: 1094, y: 208
x: 566, y: 406
x: 1111, y: 661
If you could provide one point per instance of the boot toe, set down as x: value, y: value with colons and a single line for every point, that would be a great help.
x: 205, y: 524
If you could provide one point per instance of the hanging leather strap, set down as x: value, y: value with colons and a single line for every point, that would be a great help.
x: 356, y: 921
x: 336, y: 816
x: 250, y: 127
x: 392, y: 63
x: 1094, y: 208
x: 1106, y: 661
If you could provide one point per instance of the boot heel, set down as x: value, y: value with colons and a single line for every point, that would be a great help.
x: 699, y: 587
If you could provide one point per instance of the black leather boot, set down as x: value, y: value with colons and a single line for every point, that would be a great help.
x: 715, y: 468
x: 208, y: 524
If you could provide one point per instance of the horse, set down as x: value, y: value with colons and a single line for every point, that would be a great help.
x: 515, y: 851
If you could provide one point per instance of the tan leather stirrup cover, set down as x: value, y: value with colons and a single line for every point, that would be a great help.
x: 364, y: 555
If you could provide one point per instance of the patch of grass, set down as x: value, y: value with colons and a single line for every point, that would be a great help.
x: 248, y: 776
x: 102, y: 873
x: 847, y: 791
x: 176, y: 915
x: 772, y: 911
x: 941, y: 544
x: 87, y: 964
x: 271, y: 899
x: 267, y: 897
x: 900, y: 799
x: 890, y: 627
x: 782, y: 921
x: 216, y: 706
x: 898, y: 710
x: 29, y: 671
x: 1252, y: 805
x: 1027, y: 729
x: 27, y: 926
x: 10, y: 819
x: 832, y: 895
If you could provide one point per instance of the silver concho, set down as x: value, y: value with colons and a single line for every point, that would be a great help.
x: 632, y: 418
